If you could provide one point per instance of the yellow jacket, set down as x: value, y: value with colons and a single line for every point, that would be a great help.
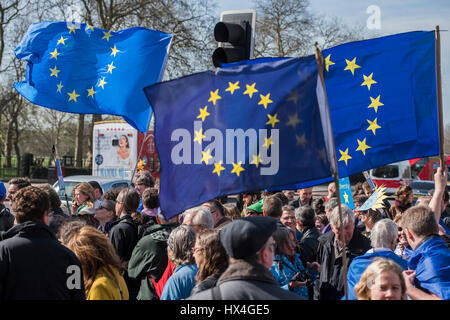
x: 106, y: 286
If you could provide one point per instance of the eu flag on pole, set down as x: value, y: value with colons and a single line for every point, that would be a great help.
x: 81, y: 69
x: 242, y: 128
x: 382, y: 99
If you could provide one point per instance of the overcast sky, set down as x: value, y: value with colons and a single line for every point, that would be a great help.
x: 395, y: 17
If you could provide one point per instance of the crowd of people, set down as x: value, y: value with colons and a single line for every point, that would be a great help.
x: 289, y: 245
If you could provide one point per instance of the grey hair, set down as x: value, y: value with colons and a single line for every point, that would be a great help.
x: 331, y: 203
x: 181, y: 241
x: 383, y: 233
x: 347, y: 214
x: 202, y: 216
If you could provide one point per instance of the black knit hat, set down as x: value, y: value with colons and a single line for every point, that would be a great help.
x: 244, y: 237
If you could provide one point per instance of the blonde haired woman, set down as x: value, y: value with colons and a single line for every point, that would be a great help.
x: 382, y: 280
x: 100, y: 263
x: 83, y: 196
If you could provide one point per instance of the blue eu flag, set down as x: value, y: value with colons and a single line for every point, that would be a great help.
x: 81, y: 69
x: 382, y: 99
x: 242, y: 128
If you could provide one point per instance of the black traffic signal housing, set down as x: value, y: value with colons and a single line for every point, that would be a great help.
x: 235, y: 34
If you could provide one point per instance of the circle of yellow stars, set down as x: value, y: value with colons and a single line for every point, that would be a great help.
x: 61, y: 43
x: 251, y: 91
x: 375, y: 103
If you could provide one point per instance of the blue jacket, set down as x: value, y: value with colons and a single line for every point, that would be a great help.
x: 431, y: 261
x: 288, y: 270
x: 181, y: 283
x: 360, y: 264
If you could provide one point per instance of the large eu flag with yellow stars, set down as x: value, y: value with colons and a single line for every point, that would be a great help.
x: 77, y: 68
x: 382, y: 100
x: 242, y: 128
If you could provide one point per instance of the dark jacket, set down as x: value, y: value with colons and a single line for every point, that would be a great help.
x: 222, y: 221
x: 149, y: 259
x: 6, y: 218
x: 246, y: 281
x: 204, y: 285
x: 57, y: 217
x: 124, y: 236
x: 35, y: 266
x: 330, y: 283
x: 308, y: 245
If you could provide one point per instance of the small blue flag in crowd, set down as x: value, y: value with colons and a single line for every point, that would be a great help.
x: 382, y: 99
x: 242, y: 128
x: 78, y: 68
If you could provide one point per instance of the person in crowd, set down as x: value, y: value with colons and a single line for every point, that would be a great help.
x: 430, y: 260
x: 330, y: 283
x: 272, y: 207
x: 105, y: 214
x: 211, y: 259
x: 319, y: 206
x: 358, y: 201
x: 255, y: 209
x: 403, y: 200
x: 143, y: 181
x: 98, y: 192
x: 218, y: 212
x: 150, y: 203
x: 305, y: 198
x: 321, y: 222
x: 87, y: 214
x: 248, y: 199
x: 179, y: 250
x: 444, y: 220
x: 382, y: 280
x: 306, y: 222
x: 423, y: 200
x: 403, y: 250
x: 111, y: 194
x: 290, y: 194
x: 331, y: 191
x: 251, y: 248
x: 231, y: 211
x: 124, y: 232
x: 100, y: 263
x: 369, y: 218
x: 56, y: 215
x: 288, y: 219
x: 199, y: 218
x: 287, y: 267
x: 83, y: 196
x: 383, y: 240
x: 34, y: 265
x: 149, y: 262
x: 14, y: 185
x: 284, y: 200
x: 330, y: 204
x: 6, y: 217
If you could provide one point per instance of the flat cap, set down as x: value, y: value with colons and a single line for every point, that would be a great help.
x: 244, y: 237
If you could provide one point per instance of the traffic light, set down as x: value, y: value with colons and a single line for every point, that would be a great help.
x: 235, y: 34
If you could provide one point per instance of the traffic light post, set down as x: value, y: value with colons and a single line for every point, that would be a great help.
x: 235, y: 34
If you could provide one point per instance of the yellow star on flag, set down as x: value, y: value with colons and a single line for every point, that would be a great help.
x: 375, y: 103
x: 106, y: 35
x: 272, y: 120
x: 328, y: 62
x: 110, y: 67
x: 214, y: 96
x: 54, y: 54
x: 351, y: 65
x: 293, y: 121
x: 89, y: 27
x: 72, y: 28
x: 199, y: 136
x: 91, y: 92
x: 61, y: 40
x: 362, y: 146
x: 54, y: 72
x: 265, y: 100
x: 114, y: 51
x: 102, y: 83
x: 345, y: 195
x: 203, y: 113
x: 206, y: 156
x: 73, y: 96
x: 368, y: 81
x: 237, y: 168
x: 250, y: 90
x: 59, y: 87
x: 256, y: 160
x: 373, y: 126
x: 232, y: 87
x: 344, y: 156
x: 268, y: 142
x: 218, y: 168
x: 301, y: 140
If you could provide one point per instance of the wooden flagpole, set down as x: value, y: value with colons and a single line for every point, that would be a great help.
x: 319, y: 60
x: 439, y: 98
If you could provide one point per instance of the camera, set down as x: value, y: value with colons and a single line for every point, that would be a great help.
x: 303, y: 276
